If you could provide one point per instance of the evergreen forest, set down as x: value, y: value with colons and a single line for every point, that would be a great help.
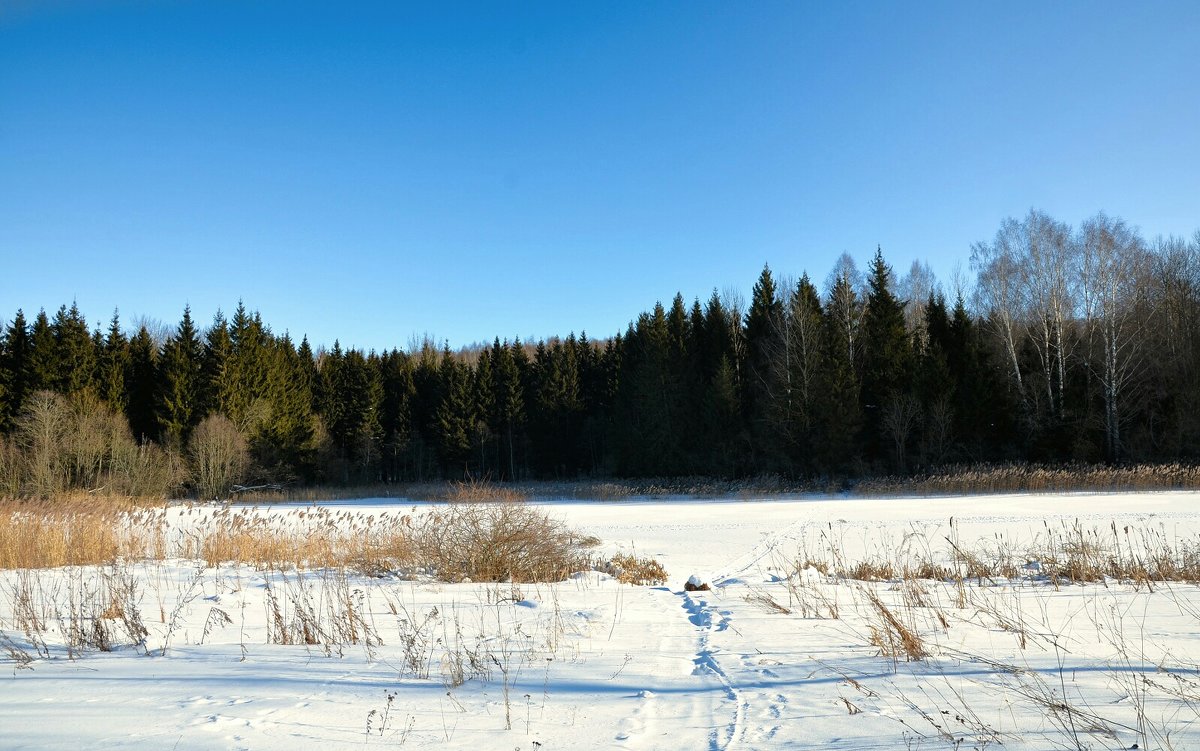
x: 1063, y: 344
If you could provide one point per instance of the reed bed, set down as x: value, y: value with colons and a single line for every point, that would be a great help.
x: 77, y: 532
x: 475, y: 541
x: 1037, y: 478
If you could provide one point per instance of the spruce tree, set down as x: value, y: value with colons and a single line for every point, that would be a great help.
x: 14, y: 361
x: 886, y: 356
x: 396, y: 414
x: 141, y: 387
x: 509, y: 402
x: 180, y: 383
x: 485, y: 427
x: 454, y: 416
x: 763, y: 398
x: 43, y: 358
x: 838, y: 409
x: 283, y: 443
x: 114, y: 366
x: 218, y: 349
x: 75, y: 353
x: 804, y: 357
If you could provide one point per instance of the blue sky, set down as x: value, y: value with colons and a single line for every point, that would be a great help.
x: 373, y: 171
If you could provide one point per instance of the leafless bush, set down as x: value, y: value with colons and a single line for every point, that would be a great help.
x: 497, y: 542
x: 62, y: 446
x: 219, y: 456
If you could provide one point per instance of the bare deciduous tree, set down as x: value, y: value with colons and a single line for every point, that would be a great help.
x: 219, y: 454
x: 914, y: 289
x: 1115, y: 287
x: 899, y: 418
x: 41, y: 432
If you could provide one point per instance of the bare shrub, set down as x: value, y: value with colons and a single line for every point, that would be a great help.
x: 497, y: 542
x: 11, y: 469
x: 41, y: 432
x: 219, y: 455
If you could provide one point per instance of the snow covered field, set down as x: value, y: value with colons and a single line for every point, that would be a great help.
x: 784, y: 651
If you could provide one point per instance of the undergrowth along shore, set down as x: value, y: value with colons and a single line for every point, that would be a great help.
x: 953, y: 480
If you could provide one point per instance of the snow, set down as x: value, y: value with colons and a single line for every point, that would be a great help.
x: 589, y: 662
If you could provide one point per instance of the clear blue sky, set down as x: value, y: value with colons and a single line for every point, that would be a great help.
x: 370, y: 171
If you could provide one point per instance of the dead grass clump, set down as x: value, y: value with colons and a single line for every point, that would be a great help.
x: 767, y: 603
x: 893, y: 637
x: 630, y: 569
x: 872, y: 570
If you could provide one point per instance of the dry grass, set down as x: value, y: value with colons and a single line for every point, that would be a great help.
x: 630, y: 569
x: 954, y: 480
x: 78, y: 531
x: 484, y: 491
x: 1037, y: 478
x: 894, y: 638
x: 480, y: 542
x: 1062, y: 553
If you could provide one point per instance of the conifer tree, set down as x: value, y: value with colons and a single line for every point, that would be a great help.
x: 887, y: 356
x: 839, y: 411
x: 763, y: 400
x: 180, y: 385
x: 352, y: 396
x: 14, y: 362
x: 43, y: 359
x: 141, y: 387
x: 245, y: 381
x: 218, y: 349
x: 804, y: 353
x: 114, y: 366
x: 283, y: 442
x: 454, y: 416
x: 509, y: 403
x: 75, y: 353
x: 483, y: 395
x: 396, y: 407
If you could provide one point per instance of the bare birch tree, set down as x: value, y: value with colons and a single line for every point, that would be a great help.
x: 1115, y: 286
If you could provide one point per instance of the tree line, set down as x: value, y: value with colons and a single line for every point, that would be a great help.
x: 1067, y: 344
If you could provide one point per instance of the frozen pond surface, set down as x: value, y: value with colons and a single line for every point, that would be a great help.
x: 778, y: 654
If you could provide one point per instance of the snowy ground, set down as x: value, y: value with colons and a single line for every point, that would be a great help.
x: 776, y: 655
